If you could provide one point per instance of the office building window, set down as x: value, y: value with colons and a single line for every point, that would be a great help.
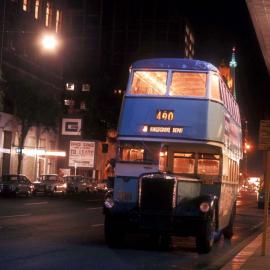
x: 25, y: 5
x: 48, y: 15
x: 58, y: 19
x: 70, y: 86
x: 86, y: 87
x: 37, y: 9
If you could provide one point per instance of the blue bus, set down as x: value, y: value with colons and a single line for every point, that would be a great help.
x: 179, y: 147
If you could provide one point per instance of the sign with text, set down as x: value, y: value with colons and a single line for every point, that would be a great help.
x: 81, y: 154
x: 71, y: 126
x: 162, y: 129
x: 264, y: 135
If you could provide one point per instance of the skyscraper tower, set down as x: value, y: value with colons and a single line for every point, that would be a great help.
x: 233, y: 65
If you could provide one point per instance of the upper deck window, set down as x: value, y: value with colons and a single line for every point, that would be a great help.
x: 149, y: 83
x: 188, y: 84
x: 214, y: 87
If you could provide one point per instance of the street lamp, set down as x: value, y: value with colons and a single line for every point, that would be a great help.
x: 49, y: 42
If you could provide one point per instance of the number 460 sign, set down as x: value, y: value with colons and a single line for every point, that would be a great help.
x: 165, y: 115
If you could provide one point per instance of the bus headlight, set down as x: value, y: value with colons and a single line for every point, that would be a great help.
x: 204, y: 207
x: 109, y: 203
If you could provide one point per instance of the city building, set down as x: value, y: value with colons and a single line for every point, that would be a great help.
x: 102, y: 39
x: 86, y: 71
x: 27, y: 62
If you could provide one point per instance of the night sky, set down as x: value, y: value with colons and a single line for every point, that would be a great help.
x: 218, y: 26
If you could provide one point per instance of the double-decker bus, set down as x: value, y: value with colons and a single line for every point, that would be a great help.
x: 179, y: 147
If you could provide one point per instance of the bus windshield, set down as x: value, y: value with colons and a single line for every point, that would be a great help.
x: 188, y: 84
x: 191, y: 84
x: 149, y: 83
x: 139, y: 152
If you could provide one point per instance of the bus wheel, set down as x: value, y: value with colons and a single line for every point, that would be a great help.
x: 206, y: 235
x: 114, y: 233
x: 228, y: 231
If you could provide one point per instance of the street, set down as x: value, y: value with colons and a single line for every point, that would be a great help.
x: 66, y: 232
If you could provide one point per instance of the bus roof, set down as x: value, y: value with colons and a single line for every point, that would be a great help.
x: 174, y: 63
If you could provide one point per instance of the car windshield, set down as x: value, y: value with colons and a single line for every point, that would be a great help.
x: 49, y: 178
x: 10, y: 178
x: 72, y: 179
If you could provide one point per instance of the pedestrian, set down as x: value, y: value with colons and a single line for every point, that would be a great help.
x: 109, y: 172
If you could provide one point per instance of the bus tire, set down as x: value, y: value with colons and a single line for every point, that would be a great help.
x: 228, y: 231
x: 206, y: 235
x: 113, y: 231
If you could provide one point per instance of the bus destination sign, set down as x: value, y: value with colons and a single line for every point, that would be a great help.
x: 162, y: 129
x: 167, y: 115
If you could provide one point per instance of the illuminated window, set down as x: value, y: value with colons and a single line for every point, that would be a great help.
x: 188, y: 84
x: 183, y: 163
x: 48, y: 14
x: 68, y: 102
x: 214, y: 87
x: 70, y: 86
x: 25, y: 5
x: 83, y: 106
x: 58, y: 18
x: 163, y: 159
x: 36, y: 9
x: 208, y: 164
x: 86, y: 87
x: 132, y: 154
x: 149, y: 83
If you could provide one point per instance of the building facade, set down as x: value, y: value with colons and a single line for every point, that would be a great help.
x: 28, y: 68
x: 103, y: 39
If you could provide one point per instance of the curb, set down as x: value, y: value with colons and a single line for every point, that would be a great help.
x: 228, y: 256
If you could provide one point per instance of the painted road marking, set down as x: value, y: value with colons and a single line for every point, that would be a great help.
x: 94, y: 208
x: 36, y: 203
x: 15, y: 216
x: 97, y: 225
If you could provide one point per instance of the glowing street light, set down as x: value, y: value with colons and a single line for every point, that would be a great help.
x: 49, y: 42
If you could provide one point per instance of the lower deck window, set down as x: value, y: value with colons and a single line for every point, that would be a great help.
x: 208, y: 164
x: 183, y: 163
x: 132, y: 154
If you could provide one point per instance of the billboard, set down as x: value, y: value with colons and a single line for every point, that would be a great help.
x: 81, y: 154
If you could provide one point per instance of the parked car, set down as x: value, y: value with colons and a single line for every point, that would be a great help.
x: 50, y: 184
x: 78, y: 183
x: 16, y: 184
x: 105, y: 185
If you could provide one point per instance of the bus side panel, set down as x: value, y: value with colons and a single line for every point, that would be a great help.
x: 227, y: 199
x: 215, y: 122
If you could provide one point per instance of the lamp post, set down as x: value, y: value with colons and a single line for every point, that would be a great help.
x: 247, y: 147
x: 49, y: 42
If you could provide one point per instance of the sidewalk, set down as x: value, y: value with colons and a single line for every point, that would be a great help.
x: 250, y: 258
